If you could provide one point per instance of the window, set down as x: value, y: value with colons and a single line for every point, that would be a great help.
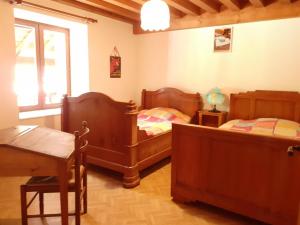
x: 42, y: 72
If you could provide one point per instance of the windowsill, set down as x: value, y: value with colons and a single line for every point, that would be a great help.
x: 39, y: 113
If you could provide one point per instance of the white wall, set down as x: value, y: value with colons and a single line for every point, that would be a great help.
x: 102, y: 38
x: 8, y: 105
x: 265, y: 55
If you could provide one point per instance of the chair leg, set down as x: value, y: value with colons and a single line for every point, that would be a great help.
x: 41, y: 200
x: 85, y: 194
x: 23, y: 205
x: 77, y: 206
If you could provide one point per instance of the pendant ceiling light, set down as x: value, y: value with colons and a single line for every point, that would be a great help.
x: 155, y: 15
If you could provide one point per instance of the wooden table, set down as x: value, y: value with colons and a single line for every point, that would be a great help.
x: 212, y: 119
x: 38, y: 151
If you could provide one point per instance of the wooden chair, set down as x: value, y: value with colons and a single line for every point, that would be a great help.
x: 77, y: 183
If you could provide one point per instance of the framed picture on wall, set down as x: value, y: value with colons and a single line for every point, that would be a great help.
x: 223, y: 39
x: 115, y: 66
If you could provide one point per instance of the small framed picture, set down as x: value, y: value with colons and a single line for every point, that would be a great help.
x: 223, y: 40
x: 115, y: 66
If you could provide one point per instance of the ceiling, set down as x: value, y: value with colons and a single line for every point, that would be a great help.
x: 194, y: 13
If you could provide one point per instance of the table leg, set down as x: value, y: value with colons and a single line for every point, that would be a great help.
x: 63, y: 186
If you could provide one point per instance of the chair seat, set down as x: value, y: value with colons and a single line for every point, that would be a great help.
x: 39, y: 181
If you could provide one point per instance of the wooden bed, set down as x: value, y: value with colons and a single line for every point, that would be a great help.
x: 115, y: 141
x: 249, y: 174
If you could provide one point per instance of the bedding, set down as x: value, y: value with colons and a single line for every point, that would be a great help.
x: 158, y: 120
x: 265, y: 126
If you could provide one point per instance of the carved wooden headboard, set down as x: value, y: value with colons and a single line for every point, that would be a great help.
x: 172, y: 98
x: 265, y: 104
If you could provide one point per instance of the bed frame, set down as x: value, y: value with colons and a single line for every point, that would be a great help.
x: 253, y: 175
x: 115, y: 141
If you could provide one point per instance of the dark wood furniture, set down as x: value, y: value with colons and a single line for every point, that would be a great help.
x: 245, y: 173
x: 77, y: 183
x: 212, y: 119
x: 38, y: 151
x: 115, y: 141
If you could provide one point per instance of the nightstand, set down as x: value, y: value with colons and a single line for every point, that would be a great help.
x: 212, y: 119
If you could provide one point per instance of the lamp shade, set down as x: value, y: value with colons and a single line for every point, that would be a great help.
x: 215, y: 97
x: 155, y: 15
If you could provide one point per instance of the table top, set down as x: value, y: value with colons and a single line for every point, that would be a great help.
x: 208, y: 112
x: 40, y: 140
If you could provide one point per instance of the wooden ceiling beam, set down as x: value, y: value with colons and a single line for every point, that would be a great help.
x: 273, y: 11
x: 231, y: 4
x: 185, y: 6
x: 126, y: 4
x: 207, y: 5
x: 96, y: 10
x: 115, y: 9
x: 258, y: 3
x: 141, y: 2
x: 286, y: 1
x: 175, y: 13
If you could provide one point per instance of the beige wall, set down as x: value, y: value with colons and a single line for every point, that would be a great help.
x: 102, y: 39
x: 265, y: 55
x: 8, y: 108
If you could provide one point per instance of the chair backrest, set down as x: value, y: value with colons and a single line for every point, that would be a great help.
x: 81, y: 144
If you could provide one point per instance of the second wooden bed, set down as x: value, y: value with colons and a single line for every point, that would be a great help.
x: 254, y: 175
x: 115, y: 141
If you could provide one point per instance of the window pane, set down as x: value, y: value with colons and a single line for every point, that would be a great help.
x: 26, y: 78
x: 55, y: 69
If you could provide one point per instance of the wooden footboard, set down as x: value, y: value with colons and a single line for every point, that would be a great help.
x: 248, y: 174
x: 113, y: 137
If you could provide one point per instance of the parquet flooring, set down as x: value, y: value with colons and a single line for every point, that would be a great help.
x: 110, y: 204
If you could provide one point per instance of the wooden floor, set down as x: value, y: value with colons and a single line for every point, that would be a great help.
x: 110, y: 204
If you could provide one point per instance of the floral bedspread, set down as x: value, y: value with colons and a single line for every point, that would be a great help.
x: 265, y: 126
x: 159, y: 120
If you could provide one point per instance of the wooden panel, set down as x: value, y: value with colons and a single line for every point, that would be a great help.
x: 172, y: 98
x: 268, y: 108
x: 240, y: 108
x: 47, y: 142
x: 126, y: 4
x: 232, y: 4
x: 153, y: 146
x: 16, y: 162
x: 258, y: 3
x: 265, y: 104
x: 105, y: 132
x: 96, y: 10
x: 207, y: 5
x: 185, y: 6
x: 248, y: 174
x: 116, y: 9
